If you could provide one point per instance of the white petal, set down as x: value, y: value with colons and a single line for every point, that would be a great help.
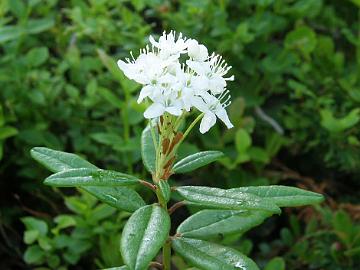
x: 174, y: 110
x: 207, y: 122
x: 154, y: 110
x: 222, y: 114
x: 199, y: 104
x: 200, y: 83
x: 203, y: 53
x: 217, y: 85
x: 199, y: 68
x: 145, y: 92
x: 153, y: 42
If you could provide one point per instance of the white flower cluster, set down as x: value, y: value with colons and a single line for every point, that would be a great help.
x: 178, y: 74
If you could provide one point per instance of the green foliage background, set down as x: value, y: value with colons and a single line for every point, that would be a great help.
x: 295, y: 107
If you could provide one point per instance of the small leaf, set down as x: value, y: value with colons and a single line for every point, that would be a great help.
x: 283, y: 196
x: 57, y: 161
x: 34, y: 254
x: 210, y: 256
x: 148, y: 151
x: 225, y: 199
x: 212, y: 223
x: 122, y: 198
x: 37, y: 56
x: 143, y: 236
x: 64, y: 221
x: 6, y: 132
x: 165, y: 189
x: 197, y: 160
x: 90, y: 177
x: 35, y: 224
x: 31, y: 236
x: 302, y: 38
x: 276, y: 263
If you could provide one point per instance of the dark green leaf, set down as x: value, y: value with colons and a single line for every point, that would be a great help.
x: 90, y: 177
x: 143, y: 236
x: 212, y: 223
x: 210, y: 256
x: 225, y: 199
x: 57, y: 161
x: 122, y: 198
x: 284, y: 196
x: 197, y: 160
x: 148, y: 151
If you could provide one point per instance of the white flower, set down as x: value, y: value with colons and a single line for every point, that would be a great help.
x: 164, y: 101
x: 213, y: 107
x: 145, y: 69
x: 168, y: 46
x: 175, y: 84
x: 211, y: 73
x: 196, y: 51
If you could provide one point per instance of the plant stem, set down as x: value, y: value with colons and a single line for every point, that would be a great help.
x: 167, y: 255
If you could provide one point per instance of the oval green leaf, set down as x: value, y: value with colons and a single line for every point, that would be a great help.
x: 90, y: 177
x: 225, y: 199
x: 148, y: 152
x: 143, y: 236
x: 213, y: 223
x: 122, y: 198
x: 283, y: 196
x: 197, y: 160
x: 57, y: 161
x: 210, y: 256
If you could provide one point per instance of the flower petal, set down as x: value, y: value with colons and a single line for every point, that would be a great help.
x: 207, y: 122
x: 145, y: 92
x: 154, y: 110
x: 222, y: 115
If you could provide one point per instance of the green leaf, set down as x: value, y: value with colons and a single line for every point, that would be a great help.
x: 210, y: 256
x: 276, y: 263
x: 37, y: 56
x: 148, y: 151
x: 143, y: 236
x: 34, y: 254
x: 35, y: 224
x: 197, y: 160
x: 242, y: 141
x: 64, y: 221
x: 6, y: 132
x: 283, y: 196
x: 35, y: 26
x: 211, y: 223
x: 90, y: 177
x: 165, y: 189
x: 57, y: 161
x: 122, y: 198
x: 336, y: 125
x: 302, y: 38
x: 225, y: 199
x: 31, y: 236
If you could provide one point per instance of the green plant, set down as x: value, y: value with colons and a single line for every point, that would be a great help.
x: 172, y: 91
x: 91, y: 229
x: 329, y: 241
